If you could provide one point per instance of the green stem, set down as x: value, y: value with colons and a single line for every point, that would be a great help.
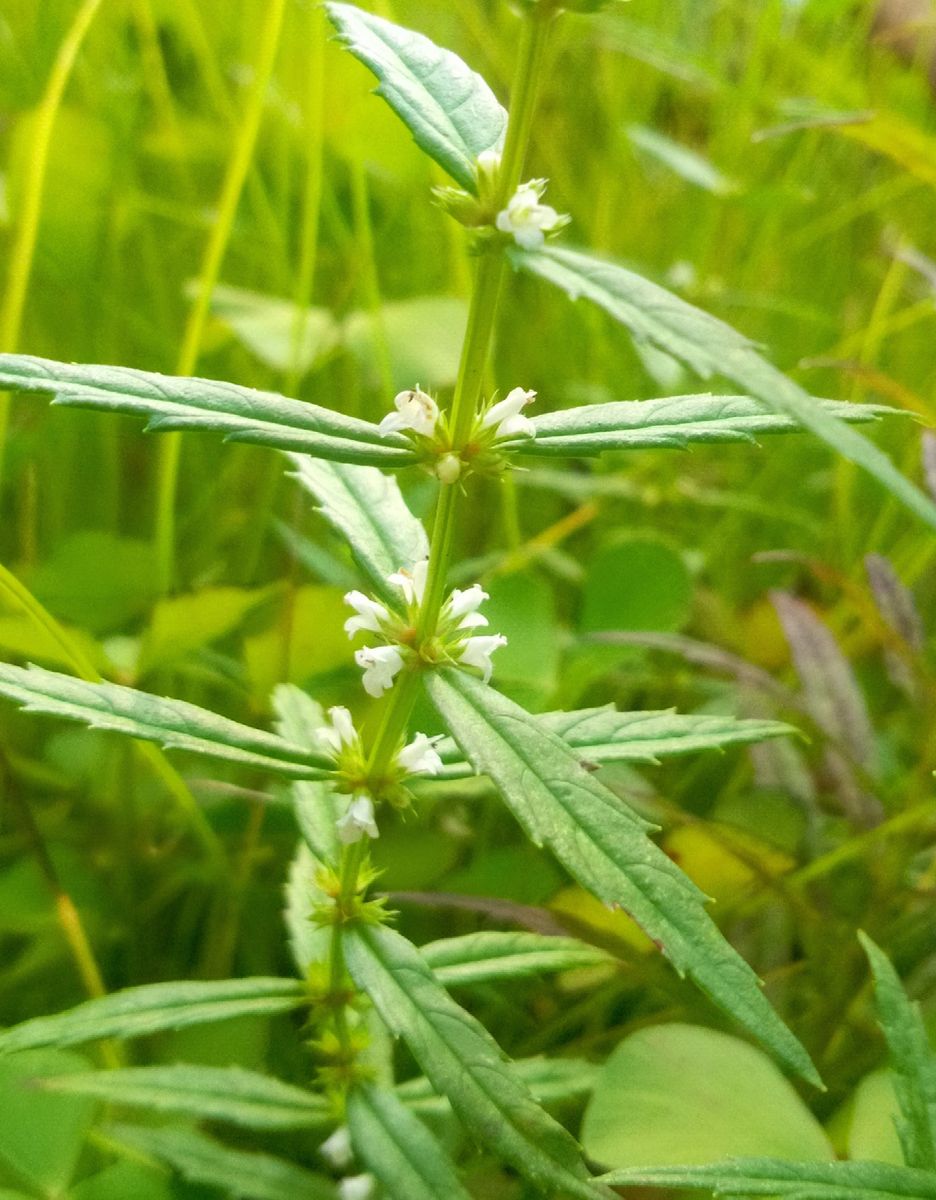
x: 238, y: 166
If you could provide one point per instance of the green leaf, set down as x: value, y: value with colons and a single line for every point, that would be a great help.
x: 606, y: 735
x: 452, y: 113
x: 604, y: 845
x: 241, y: 414
x: 648, y: 1096
x: 911, y: 1057
x: 229, y: 1094
x: 180, y: 625
x: 401, y: 325
x: 174, y: 724
x: 673, y: 422
x: 463, y: 1062
x: 550, y: 1080
x: 153, y: 1007
x: 659, y: 592
x: 398, y: 1149
x: 711, y: 347
x: 482, y: 957
x: 773, y: 1177
x: 41, y: 1135
x: 124, y: 1180
x: 316, y: 804
x: 687, y: 164
x: 272, y: 329
x: 367, y: 509
x: 242, y: 1173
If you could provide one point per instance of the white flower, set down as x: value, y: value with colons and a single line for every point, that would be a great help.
x: 356, y: 1187
x: 526, y: 219
x: 411, y: 583
x: 506, y: 416
x: 463, y: 606
x: 371, y: 615
x: 380, y: 664
x: 448, y: 468
x: 477, y: 652
x: 340, y: 735
x: 420, y: 757
x: 358, y: 820
x: 415, y: 410
x: 336, y: 1150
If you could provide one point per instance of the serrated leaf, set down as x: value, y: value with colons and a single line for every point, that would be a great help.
x: 606, y: 735
x: 463, y: 1062
x: 911, y: 1058
x: 483, y: 957
x: 175, y: 402
x: 398, y: 1149
x: 605, y: 846
x: 451, y: 112
x: 672, y: 422
x: 550, y: 1080
x: 367, y: 509
x: 799, y: 1181
x: 241, y: 1173
x: 153, y: 1007
x: 174, y: 724
x: 229, y: 1094
x: 710, y: 347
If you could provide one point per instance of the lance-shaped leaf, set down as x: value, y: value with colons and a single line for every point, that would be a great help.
x: 710, y: 347
x: 464, y: 1063
x: 315, y: 802
x: 398, y: 1149
x: 242, y: 1173
x: 673, y: 422
x: 605, y: 846
x: 367, y: 509
x: 228, y: 1094
x: 776, y: 1177
x: 911, y: 1059
x: 451, y: 112
x: 175, y: 724
x: 175, y: 402
x: 483, y: 957
x: 606, y: 735
x: 550, y: 1080
x: 154, y: 1007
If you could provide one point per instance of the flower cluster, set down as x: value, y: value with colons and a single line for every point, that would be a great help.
x: 341, y: 742
x: 454, y: 640
x: 526, y: 220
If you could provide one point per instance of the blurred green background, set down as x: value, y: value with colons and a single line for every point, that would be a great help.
x: 773, y: 162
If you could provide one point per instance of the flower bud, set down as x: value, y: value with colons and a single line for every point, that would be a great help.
x: 448, y: 468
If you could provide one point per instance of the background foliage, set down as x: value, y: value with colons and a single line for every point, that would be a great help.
x: 704, y: 144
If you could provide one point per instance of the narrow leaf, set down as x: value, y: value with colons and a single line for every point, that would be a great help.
x: 463, y: 1062
x: 367, y: 509
x: 671, y: 422
x: 228, y: 1094
x: 605, y: 847
x: 241, y: 1173
x: 153, y: 1007
x: 711, y: 347
x: 482, y: 957
x: 174, y: 402
x: 776, y: 1177
x: 451, y: 112
x: 606, y: 735
x: 550, y: 1080
x: 911, y: 1059
x: 316, y: 804
x: 398, y: 1149
x: 174, y: 724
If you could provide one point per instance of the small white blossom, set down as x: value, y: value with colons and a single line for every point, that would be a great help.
x: 356, y: 1187
x: 411, y: 583
x: 448, y: 468
x: 358, y: 820
x: 463, y: 606
x: 507, y: 418
x: 526, y: 219
x: 477, y: 652
x: 379, y: 664
x: 415, y: 410
x: 420, y: 757
x: 340, y: 734
x: 336, y: 1150
x: 489, y: 162
x: 371, y: 615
